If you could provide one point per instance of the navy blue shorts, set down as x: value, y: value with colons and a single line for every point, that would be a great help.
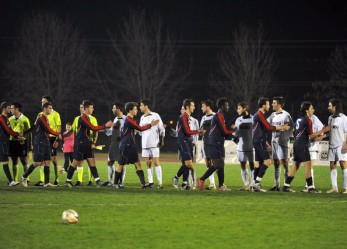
x: 42, y: 152
x: 53, y: 150
x: 4, y: 149
x: 128, y: 155
x: 186, y: 150
x: 261, y: 153
x: 17, y: 149
x: 217, y: 151
x: 301, y: 153
x: 82, y: 151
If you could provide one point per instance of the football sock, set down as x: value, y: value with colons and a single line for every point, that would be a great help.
x: 90, y: 175
x: 124, y: 172
x: 7, y: 172
x: 333, y: 177
x: 117, y: 177
x: 289, y: 181
x: 70, y: 173
x: 141, y: 176
x: 252, y: 177
x: 220, y: 174
x: 42, y: 174
x: 211, y: 178
x: 261, y: 172
x: 312, y: 177
x: 255, y: 173
x: 180, y: 171
x: 277, y: 175
x: 245, y: 176
x: 25, y: 168
x: 149, y: 175
x: 28, y: 172
x: 208, y: 173
x: 55, y: 166
x: 15, y: 172
x: 110, y: 171
x: 309, y: 182
x: 80, y: 174
x: 94, y: 172
x: 286, y: 174
x: 46, y: 173
x: 185, y: 174
x: 344, y: 177
x: 159, y: 174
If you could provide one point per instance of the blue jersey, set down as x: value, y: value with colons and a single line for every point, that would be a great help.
x: 218, y: 130
x: 303, y: 129
x: 42, y: 130
x: 184, y: 133
x: 84, y: 127
x: 128, y: 132
x: 260, y: 128
x: 5, y: 129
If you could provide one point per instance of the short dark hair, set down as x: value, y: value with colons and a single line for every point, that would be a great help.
x: 129, y: 106
x: 338, y: 105
x: 207, y: 102
x: 305, y: 105
x: 49, y: 98
x: 280, y: 100
x: 4, y: 105
x: 244, y: 105
x: 45, y: 105
x: 119, y: 106
x: 68, y: 123
x: 187, y: 102
x: 221, y: 101
x: 262, y: 101
x: 17, y: 106
x: 147, y: 102
x: 87, y: 103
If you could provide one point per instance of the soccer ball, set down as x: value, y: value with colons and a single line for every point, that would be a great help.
x: 70, y: 216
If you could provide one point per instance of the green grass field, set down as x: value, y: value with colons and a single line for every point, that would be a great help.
x: 169, y: 218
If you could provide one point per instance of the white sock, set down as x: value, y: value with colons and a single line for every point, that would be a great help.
x: 312, y: 178
x: 159, y: 174
x: 252, y: 177
x: 110, y: 170
x: 245, y: 176
x: 277, y: 176
x: 344, y: 172
x: 211, y: 178
x: 190, y: 178
x: 333, y: 177
x: 150, y: 175
x: 124, y: 173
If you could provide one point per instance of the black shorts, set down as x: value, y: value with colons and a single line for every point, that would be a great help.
x: 53, y: 150
x: 301, y: 153
x: 42, y: 152
x: 261, y: 153
x: 17, y: 149
x: 82, y: 151
x: 217, y: 151
x: 186, y: 150
x: 128, y: 155
x: 4, y: 149
x: 113, y: 152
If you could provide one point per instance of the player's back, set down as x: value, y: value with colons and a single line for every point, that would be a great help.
x: 41, y: 135
x: 206, y: 125
x: 260, y: 128
x: 303, y: 129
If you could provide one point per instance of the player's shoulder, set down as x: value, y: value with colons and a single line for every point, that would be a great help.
x: 286, y: 113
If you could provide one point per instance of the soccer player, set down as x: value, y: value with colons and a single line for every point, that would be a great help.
x: 245, y: 152
x: 303, y: 133
x: 280, y: 140
x: 82, y: 145
x: 337, y: 144
x: 193, y: 125
x: 19, y: 147
x: 42, y: 146
x: 260, y: 128
x: 5, y: 132
x: 218, y: 133
x: 55, y: 124
x: 68, y: 146
x: 127, y: 144
x: 151, y: 139
x: 115, y: 133
x: 205, y: 125
x: 184, y: 144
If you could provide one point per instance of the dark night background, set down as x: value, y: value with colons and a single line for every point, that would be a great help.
x: 302, y: 33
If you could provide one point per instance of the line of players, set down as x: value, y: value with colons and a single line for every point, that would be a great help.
x: 251, y: 132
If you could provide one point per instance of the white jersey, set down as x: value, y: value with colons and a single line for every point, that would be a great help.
x: 281, y: 137
x: 205, y: 124
x: 316, y: 126
x: 338, y: 130
x: 244, y: 126
x: 115, y: 130
x: 150, y: 137
x: 194, y: 125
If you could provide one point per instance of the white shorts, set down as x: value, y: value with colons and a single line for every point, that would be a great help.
x: 151, y: 152
x: 314, y: 155
x: 279, y: 152
x: 335, y: 154
x: 245, y: 156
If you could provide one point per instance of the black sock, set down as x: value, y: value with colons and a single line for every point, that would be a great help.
x: 14, y: 170
x: 70, y: 173
x: 220, y: 174
x: 117, y: 177
x: 262, y: 170
x: 309, y: 182
x: 255, y: 173
x: 185, y: 175
x: 55, y: 170
x: 7, y: 172
x: 95, y: 173
x: 25, y: 167
x: 141, y: 176
x: 208, y: 172
x: 28, y: 171
x: 289, y: 179
x: 181, y: 171
x: 46, y: 172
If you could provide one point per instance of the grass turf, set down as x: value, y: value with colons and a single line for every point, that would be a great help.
x: 169, y: 218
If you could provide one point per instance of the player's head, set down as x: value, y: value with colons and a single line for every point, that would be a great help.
x: 131, y: 108
x: 335, y: 106
x: 6, y: 108
x: 88, y: 107
x: 47, y: 108
x: 117, y: 108
x: 306, y: 108
x: 46, y: 98
x: 68, y: 126
x: 263, y: 103
x: 189, y: 105
x: 242, y: 108
x: 206, y: 105
x: 145, y: 105
x: 223, y: 104
x: 16, y: 108
x: 277, y: 103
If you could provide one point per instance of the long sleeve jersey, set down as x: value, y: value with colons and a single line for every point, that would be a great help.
x: 218, y: 130
x: 43, y: 130
x: 84, y: 127
x: 5, y: 129
x: 260, y: 127
x: 184, y: 133
x: 128, y: 132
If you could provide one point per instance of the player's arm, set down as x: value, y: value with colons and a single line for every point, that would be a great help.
x: 8, y: 129
x: 47, y: 128
x: 270, y: 127
x: 186, y: 127
x: 313, y: 135
x: 92, y: 127
x: 135, y: 126
x: 222, y: 126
